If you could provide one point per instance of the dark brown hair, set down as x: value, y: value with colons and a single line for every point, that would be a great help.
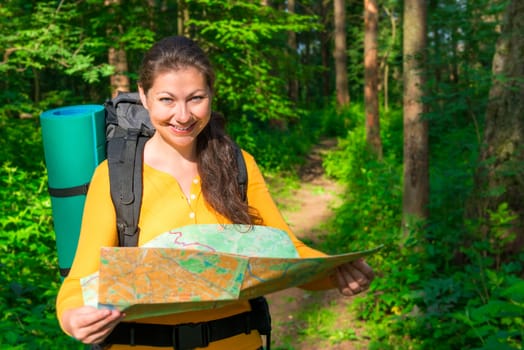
x: 216, y: 157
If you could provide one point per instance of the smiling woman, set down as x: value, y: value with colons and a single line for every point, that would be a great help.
x: 179, y: 105
x: 189, y: 178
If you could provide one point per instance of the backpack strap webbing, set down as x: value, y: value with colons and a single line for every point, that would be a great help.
x: 69, y: 191
x: 242, y: 173
x: 124, y: 156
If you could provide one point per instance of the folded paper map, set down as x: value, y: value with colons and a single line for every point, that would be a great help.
x: 202, y: 266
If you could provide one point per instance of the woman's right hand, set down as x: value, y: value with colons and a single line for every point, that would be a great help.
x: 89, y: 324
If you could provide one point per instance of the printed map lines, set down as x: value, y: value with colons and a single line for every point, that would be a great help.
x: 192, y: 245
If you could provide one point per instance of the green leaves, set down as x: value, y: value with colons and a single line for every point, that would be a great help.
x: 247, y: 43
x: 28, y: 264
x: 515, y: 293
x: 499, y: 324
x: 48, y: 38
x: 29, y: 278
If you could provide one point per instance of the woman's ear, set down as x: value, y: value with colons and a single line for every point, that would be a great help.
x: 143, y: 97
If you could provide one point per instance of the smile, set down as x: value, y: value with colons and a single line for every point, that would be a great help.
x: 178, y: 128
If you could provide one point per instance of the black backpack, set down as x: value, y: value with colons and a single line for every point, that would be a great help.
x: 128, y: 127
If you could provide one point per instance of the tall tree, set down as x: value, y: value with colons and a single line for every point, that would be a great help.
x: 117, y: 56
x: 324, y: 10
x: 389, y: 51
x: 292, y: 44
x: 371, y: 76
x: 182, y: 17
x: 416, y: 164
x: 500, y: 177
x: 119, y: 80
x: 340, y: 53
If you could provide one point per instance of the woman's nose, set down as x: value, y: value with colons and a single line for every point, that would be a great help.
x: 182, y: 113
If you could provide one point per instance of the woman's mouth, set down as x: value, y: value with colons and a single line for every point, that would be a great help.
x: 182, y: 129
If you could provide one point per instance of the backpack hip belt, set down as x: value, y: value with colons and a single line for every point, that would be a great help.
x: 194, y: 335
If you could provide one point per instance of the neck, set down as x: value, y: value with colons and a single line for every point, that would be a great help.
x: 157, y: 151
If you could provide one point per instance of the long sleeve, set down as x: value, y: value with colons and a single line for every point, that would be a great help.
x: 98, y: 230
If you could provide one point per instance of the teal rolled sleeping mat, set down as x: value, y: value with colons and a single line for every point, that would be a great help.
x: 74, y: 144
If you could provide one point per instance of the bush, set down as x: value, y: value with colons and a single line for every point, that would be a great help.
x: 29, y: 278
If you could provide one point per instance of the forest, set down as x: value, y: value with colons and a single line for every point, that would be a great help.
x: 424, y: 97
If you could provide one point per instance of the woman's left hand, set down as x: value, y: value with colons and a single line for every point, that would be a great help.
x: 353, y: 278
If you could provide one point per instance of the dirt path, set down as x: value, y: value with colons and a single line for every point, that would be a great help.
x: 309, y: 207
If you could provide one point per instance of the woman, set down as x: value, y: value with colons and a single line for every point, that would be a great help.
x: 185, y: 182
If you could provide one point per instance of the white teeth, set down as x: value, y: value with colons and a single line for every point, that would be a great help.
x: 181, y: 129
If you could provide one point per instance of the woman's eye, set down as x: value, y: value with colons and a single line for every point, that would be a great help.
x: 197, y: 98
x: 166, y: 100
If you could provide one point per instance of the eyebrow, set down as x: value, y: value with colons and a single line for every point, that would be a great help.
x: 197, y: 91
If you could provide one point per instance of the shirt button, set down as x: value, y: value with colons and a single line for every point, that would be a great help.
x: 192, y: 196
x: 192, y: 215
x: 195, y: 181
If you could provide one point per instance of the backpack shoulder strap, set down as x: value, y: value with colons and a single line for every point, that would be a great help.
x: 125, y: 162
x: 242, y: 172
x: 127, y: 129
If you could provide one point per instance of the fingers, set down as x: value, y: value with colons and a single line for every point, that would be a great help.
x: 90, y: 325
x: 353, y: 278
x: 345, y: 285
x: 364, y: 268
x: 98, y: 331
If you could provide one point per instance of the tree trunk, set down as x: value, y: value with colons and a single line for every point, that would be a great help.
x: 416, y: 164
x: 183, y: 17
x: 325, y: 51
x: 371, y: 77
x: 438, y: 70
x: 119, y: 80
x: 340, y: 54
x: 292, y: 43
x: 117, y: 58
x: 36, y: 80
x: 385, y: 60
x: 500, y: 177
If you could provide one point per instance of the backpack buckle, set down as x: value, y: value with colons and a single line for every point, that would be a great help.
x: 190, y: 336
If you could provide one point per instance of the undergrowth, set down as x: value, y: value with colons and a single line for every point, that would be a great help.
x: 29, y: 277
x: 423, y: 297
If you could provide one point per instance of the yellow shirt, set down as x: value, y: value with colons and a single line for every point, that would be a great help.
x: 164, y: 207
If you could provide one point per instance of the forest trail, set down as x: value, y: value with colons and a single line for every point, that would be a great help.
x: 305, y: 211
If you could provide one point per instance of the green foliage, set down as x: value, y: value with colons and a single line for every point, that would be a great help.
x: 498, y: 323
x: 268, y: 144
x: 50, y: 38
x: 318, y: 324
x: 501, y: 222
x: 372, y: 199
x: 281, y: 147
x: 434, y: 288
x: 28, y: 275
x: 21, y: 144
x: 244, y: 39
x: 55, y: 48
x: 461, y: 101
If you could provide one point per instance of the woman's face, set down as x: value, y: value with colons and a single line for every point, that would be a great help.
x: 179, y: 105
